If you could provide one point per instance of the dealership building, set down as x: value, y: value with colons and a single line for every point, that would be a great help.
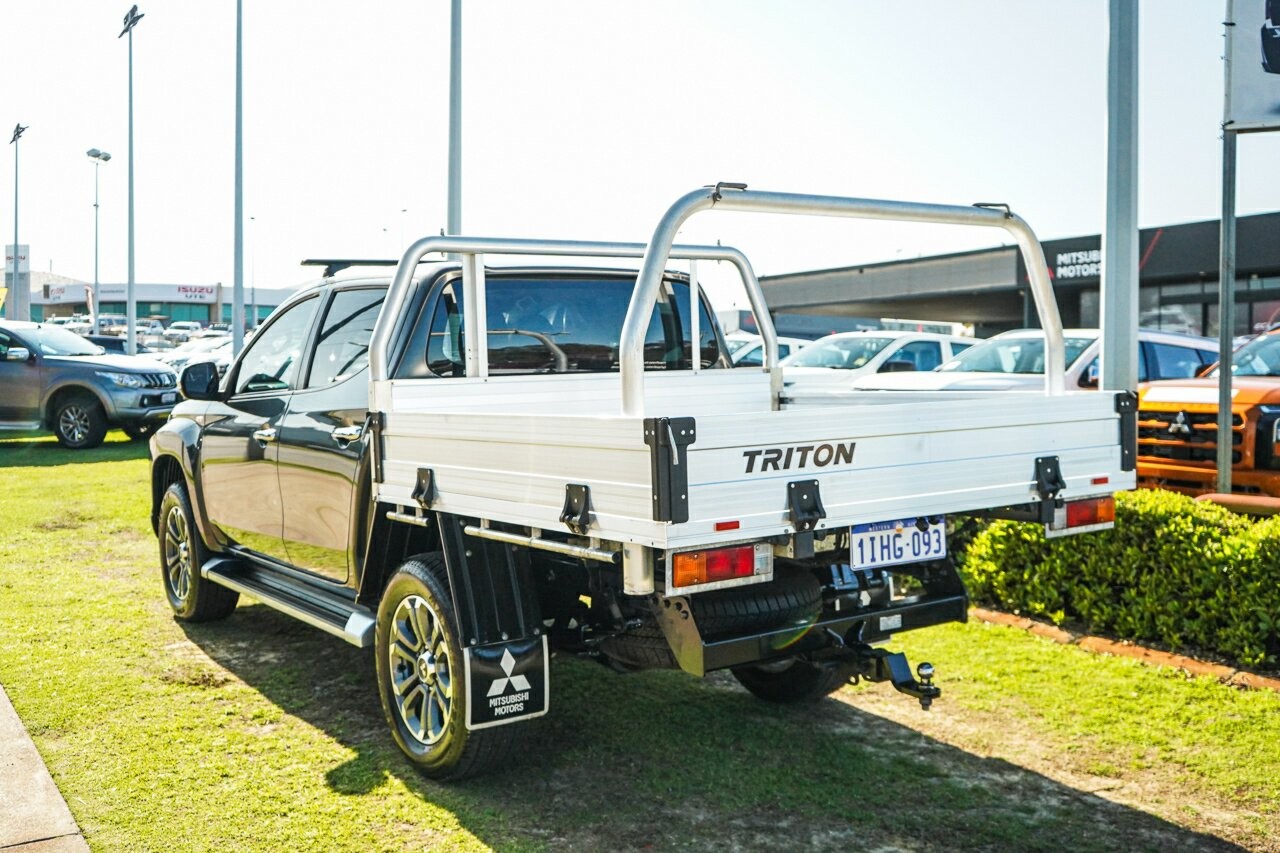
x: 58, y: 296
x: 989, y: 289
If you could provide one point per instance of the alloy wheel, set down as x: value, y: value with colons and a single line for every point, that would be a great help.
x: 177, y: 553
x: 421, y: 671
x: 73, y: 423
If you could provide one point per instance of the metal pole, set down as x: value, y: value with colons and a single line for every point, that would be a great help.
x: 21, y: 311
x: 20, y: 298
x: 93, y: 315
x: 1226, y: 308
x: 131, y: 306
x: 237, y: 290
x: 253, y: 271
x: 1119, y: 297
x: 454, y: 222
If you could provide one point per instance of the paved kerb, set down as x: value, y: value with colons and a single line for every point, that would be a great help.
x: 33, y: 815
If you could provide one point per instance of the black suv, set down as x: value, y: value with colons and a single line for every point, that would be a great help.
x: 53, y: 380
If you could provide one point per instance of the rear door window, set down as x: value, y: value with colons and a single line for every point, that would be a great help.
x: 342, y: 347
x: 557, y: 325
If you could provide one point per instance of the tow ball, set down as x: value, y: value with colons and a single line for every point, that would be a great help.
x: 883, y: 665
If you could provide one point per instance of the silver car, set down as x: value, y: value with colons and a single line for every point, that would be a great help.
x: 53, y: 380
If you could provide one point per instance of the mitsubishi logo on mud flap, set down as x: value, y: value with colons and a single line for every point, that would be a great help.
x: 517, y: 682
x: 507, y: 682
x: 1180, y: 425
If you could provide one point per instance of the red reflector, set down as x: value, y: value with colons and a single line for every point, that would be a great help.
x: 1092, y: 511
x: 726, y: 525
x: 1100, y: 481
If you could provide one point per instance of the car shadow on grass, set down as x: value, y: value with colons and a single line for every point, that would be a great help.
x: 662, y: 760
x: 46, y: 452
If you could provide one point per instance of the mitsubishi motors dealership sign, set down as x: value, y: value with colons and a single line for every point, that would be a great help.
x: 1253, y: 65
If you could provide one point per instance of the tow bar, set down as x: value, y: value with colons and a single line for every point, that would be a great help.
x: 883, y: 665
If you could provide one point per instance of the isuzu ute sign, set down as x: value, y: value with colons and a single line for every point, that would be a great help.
x: 799, y: 457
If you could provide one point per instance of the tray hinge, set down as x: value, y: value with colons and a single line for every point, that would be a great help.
x: 425, y: 490
x: 375, y: 424
x: 1048, y: 483
x: 668, y: 439
x: 576, y: 514
x: 1127, y: 408
x: 804, y: 503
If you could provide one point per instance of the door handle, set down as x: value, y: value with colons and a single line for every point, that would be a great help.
x: 266, y: 435
x: 347, y: 434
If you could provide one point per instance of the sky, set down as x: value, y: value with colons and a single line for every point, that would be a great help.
x: 586, y: 120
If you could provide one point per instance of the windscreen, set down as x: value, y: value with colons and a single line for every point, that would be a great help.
x: 840, y: 353
x: 1259, y: 357
x: 55, y: 340
x: 1012, y: 355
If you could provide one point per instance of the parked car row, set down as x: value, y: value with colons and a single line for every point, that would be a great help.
x: 1177, y: 424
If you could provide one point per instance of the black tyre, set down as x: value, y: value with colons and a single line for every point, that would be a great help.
x: 421, y: 676
x: 793, y: 680
x: 141, y: 431
x: 79, y: 422
x: 794, y: 597
x: 644, y: 647
x: 182, y: 552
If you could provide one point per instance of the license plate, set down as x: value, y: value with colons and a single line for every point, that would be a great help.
x: 893, y: 543
x: 168, y: 397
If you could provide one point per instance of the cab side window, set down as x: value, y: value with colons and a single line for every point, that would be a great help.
x: 925, y: 355
x: 342, y: 348
x: 1173, y: 362
x: 271, y: 361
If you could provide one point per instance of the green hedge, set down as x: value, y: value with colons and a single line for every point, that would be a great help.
x: 1184, y: 573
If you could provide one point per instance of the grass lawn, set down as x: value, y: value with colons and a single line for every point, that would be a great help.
x: 259, y: 733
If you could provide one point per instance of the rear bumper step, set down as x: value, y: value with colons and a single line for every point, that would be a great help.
x: 698, y: 656
x: 318, y: 608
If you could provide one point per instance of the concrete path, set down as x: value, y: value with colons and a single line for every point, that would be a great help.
x: 33, y: 815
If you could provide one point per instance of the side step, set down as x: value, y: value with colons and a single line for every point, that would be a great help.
x: 317, y: 607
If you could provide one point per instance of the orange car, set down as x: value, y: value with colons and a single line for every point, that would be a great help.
x: 1178, y: 426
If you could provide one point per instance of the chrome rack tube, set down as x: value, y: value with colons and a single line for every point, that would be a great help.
x: 392, y: 314
x: 723, y: 197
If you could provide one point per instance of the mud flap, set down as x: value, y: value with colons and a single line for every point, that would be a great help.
x: 507, y: 682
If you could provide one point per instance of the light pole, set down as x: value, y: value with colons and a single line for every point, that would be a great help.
x: 131, y: 19
x: 237, y: 303
x: 21, y: 299
x: 454, y: 217
x: 253, y: 271
x: 99, y: 157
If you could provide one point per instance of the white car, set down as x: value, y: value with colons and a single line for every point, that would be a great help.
x: 181, y: 331
x: 197, y: 349
x: 1015, y: 361
x: 749, y: 349
x: 836, y: 362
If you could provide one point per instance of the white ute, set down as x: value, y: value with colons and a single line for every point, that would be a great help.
x: 558, y: 457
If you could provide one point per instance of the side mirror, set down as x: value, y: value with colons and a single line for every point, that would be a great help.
x: 199, y: 381
x: 18, y: 354
x: 1090, y: 377
x: 897, y: 365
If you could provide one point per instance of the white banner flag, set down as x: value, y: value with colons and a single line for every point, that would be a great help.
x: 1253, y: 65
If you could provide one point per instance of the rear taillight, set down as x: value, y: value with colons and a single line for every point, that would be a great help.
x: 691, y: 568
x: 1083, y: 515
x: 1091, y: 511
